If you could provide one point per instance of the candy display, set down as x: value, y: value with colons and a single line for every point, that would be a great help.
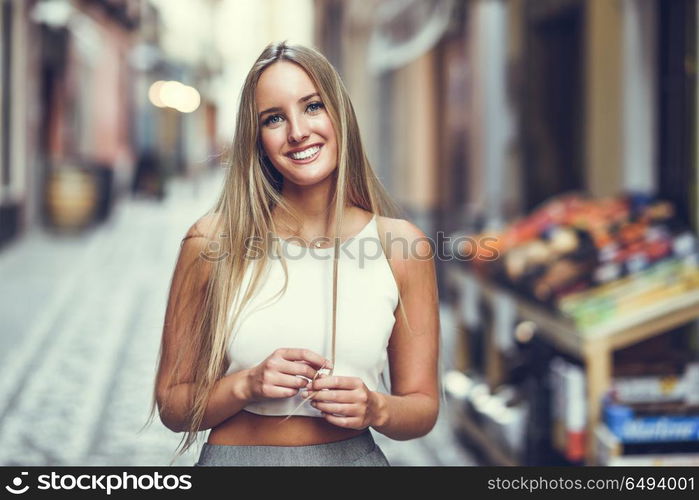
x: 592, y: 259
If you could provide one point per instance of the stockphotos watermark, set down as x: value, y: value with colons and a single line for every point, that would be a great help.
x: 100, y: 482
x: 444, y: 248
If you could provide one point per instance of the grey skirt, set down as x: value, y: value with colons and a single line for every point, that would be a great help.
x: 359, y: 451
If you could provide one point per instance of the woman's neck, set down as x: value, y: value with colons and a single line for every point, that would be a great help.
x: 316, y: 222
x: 313, y: 204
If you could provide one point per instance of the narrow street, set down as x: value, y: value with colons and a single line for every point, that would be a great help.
x: 82, y: 319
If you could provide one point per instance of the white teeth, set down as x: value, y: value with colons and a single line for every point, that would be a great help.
x: 306, y: 153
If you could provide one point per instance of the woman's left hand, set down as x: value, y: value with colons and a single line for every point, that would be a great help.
x: 345, y: 401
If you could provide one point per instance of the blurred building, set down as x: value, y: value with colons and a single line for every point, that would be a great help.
x: 66, y: 106
x: 475, y: 112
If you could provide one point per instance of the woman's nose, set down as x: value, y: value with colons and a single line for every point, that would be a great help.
x: 298, y: 129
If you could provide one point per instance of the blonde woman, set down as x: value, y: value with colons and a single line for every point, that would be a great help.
x: 292, y: 293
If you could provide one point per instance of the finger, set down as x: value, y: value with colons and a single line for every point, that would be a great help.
x: 274, y: 391
x: 347, y: 422
x: 332, y: 396
x: 296, y: 368
x: 345, y: 410
x: 315, y: 359
x: 290, y: 381
x: 336, y: 382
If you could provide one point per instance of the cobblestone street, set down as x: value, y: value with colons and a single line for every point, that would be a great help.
x: 82, y: 319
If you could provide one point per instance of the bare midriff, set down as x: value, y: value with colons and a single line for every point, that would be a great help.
x: 246, y: 428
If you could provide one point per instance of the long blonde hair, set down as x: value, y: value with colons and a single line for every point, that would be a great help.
x: 243, y: 213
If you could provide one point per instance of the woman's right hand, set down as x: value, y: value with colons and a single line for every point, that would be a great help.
x: 281, y: 374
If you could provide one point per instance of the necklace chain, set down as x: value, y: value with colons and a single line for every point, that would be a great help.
x: 317, y: 244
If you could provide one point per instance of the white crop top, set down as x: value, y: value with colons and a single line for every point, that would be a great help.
x: 367, y: 296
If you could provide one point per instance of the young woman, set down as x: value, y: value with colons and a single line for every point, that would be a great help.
x: 292, y: 293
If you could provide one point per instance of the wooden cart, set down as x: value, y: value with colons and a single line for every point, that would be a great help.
x: 593, y: 348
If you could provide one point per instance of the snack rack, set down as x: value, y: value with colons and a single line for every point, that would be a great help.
x: 594, y: 347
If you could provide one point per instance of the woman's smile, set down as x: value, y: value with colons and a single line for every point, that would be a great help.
x: 307, y: 155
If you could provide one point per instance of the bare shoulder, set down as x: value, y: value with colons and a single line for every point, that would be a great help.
x: 197, y: 252
x: 203, y: 229
x: 406, y: 241
x: 408, y: 250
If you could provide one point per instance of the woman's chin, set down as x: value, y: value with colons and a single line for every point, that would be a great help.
x: 306, y: 182
x: 308, y: 179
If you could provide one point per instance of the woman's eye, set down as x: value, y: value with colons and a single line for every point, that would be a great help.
x: 274, y: 119
x: 315, y: 106
x: 271, y: 120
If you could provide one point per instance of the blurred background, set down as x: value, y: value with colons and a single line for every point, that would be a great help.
x: 563, y: 132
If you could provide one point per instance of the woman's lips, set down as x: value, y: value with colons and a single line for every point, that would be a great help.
x: 309, y: 159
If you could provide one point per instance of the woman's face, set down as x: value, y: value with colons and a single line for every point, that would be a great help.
x: 295, y: 129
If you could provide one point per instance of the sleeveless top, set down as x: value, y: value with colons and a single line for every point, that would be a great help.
x: 367, y: 296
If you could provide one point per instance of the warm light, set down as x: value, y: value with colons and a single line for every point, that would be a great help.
x: 189, y: 99
x: 170, y: 93
x: 154, y: 94
x: 173, y: 94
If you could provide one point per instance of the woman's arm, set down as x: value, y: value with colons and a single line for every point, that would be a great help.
x: 227, y: 398
x: 174, y: 392
x: 411, y: 410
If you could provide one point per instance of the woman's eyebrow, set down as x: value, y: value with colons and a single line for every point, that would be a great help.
x: 272, y: 110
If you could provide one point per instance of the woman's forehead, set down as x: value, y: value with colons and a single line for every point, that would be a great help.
x: 282, y: 81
